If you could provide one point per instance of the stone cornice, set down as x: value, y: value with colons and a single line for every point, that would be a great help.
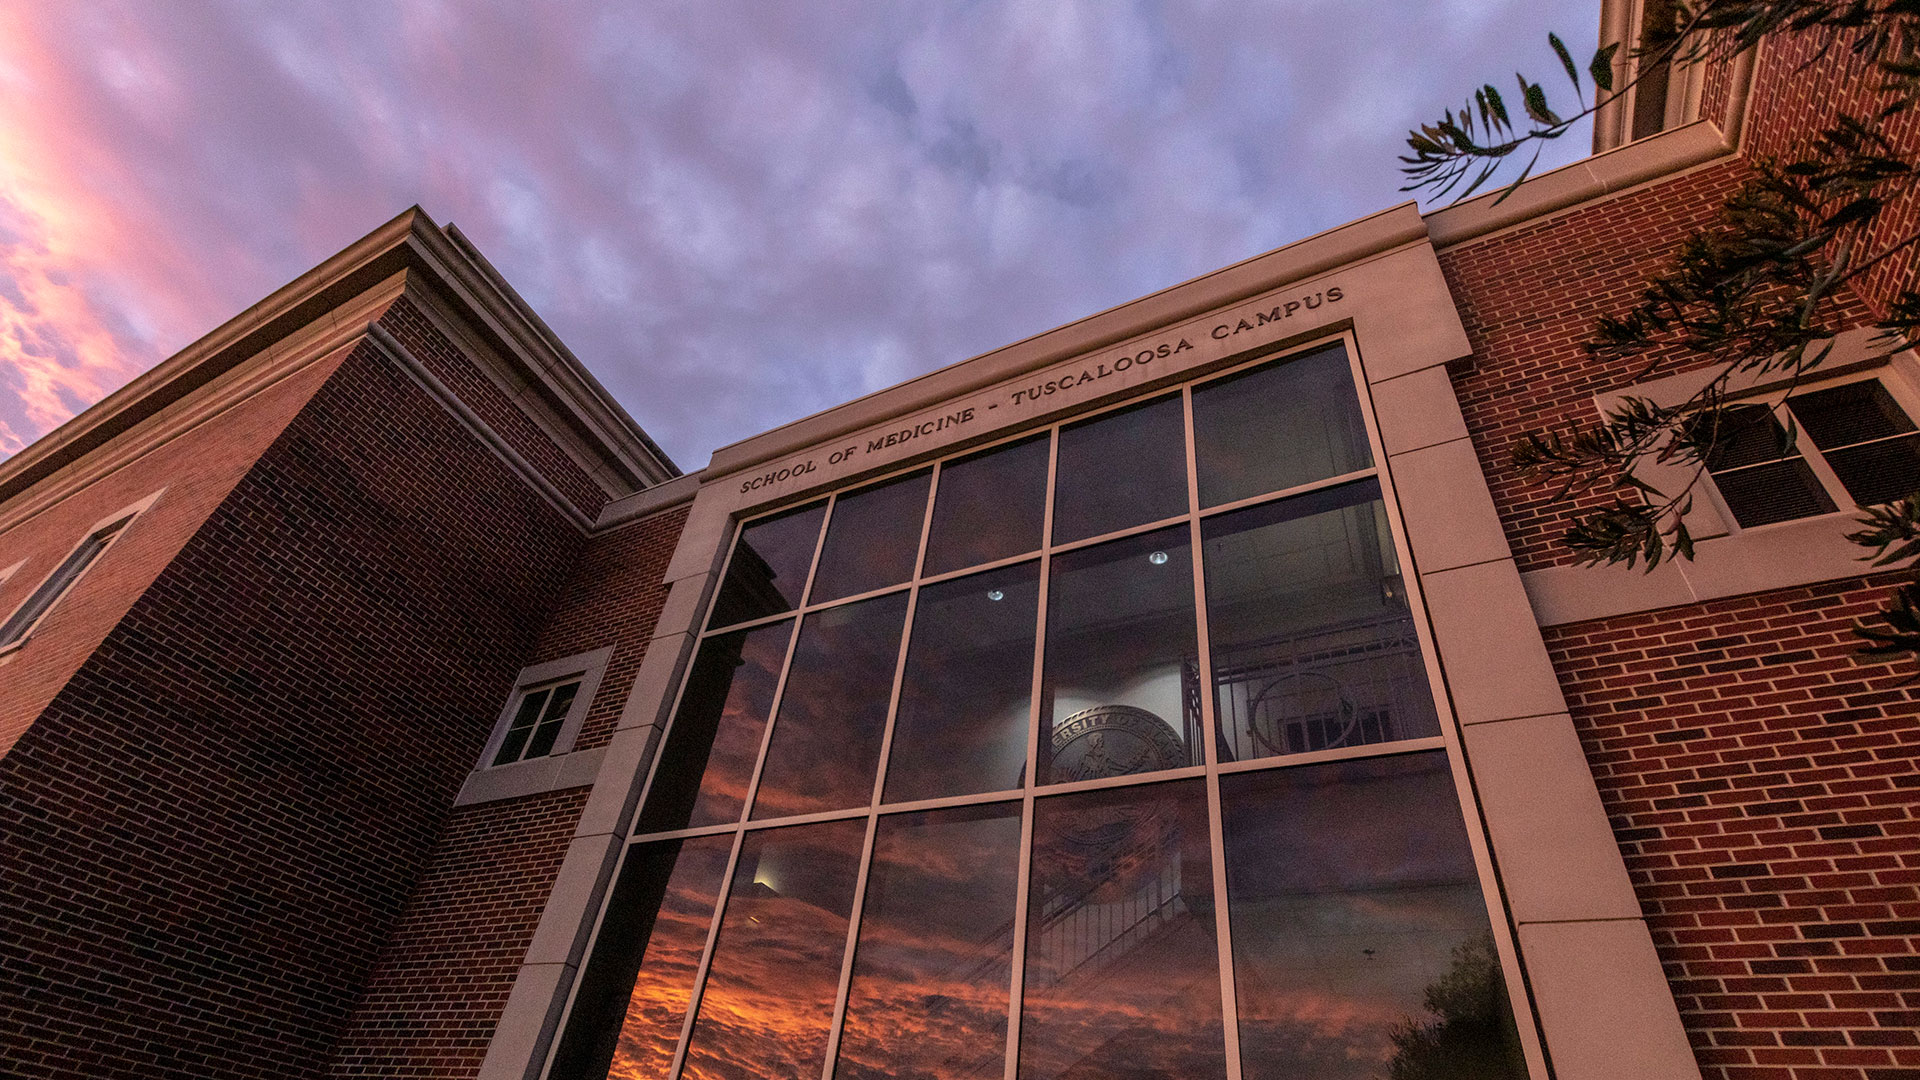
x: 409, y: 244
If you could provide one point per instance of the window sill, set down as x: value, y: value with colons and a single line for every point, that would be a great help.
x: 1778, y: 556
x: 537, y: 777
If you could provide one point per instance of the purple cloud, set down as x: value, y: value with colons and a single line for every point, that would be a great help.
x: 736, y: 213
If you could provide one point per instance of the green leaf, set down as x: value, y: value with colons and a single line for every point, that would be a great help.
x: 1566, y: 60
x: 1499, y: 107
x: 1601, y: 68
x: 1536, y: 102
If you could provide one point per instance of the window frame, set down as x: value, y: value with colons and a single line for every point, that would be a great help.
x: 1779, y: 403
x: 588, y: 667
x: 1211, y: 770
x: 120, y: 521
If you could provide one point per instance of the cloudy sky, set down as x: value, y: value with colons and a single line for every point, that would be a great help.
x: 736, y: 212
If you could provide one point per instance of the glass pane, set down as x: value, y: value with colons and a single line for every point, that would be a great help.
x: 522, y: 727
x: 769, y: 566
x: 776, y: 965
x: 552, y: 719
x: 1778, y: 491
x: 715, y: 740
x: 930, y: 974
x: 63, y: 577
x: 1123, y: 974
x: 1360, y: 938
x: 990, y: 506
x: 873, y: 538
x: 560, y: 702
x: 1121, y: 693
x: 1849, y: 414
x: 964, y: 701
x: 1313, y: 643
x: 1289, y: 423
x: 633, y: 994
x: 826, y: 740
x: 543, y: 739
x: 1879, y: 472
x: 1125, y: 468
x: 1748, y: 435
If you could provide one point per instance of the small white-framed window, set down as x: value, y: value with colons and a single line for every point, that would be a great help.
x: 27, y: 617
x: 543, y: 715
x: 1839, y: 445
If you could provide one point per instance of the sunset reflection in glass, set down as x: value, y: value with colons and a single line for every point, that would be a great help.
x: 708, y: 760
x: 776, y: 964
x: 1060, y: 911
x: 1354, y: 894
x: 1122, y: 974
x: 963, y: 716
x: 663, y: 961
x: 768, y: 571
x: 930, y: 974
x: 873, y: 538
x: 826, y: 736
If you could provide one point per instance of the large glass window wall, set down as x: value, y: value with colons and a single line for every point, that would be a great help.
x: 1108, y: 750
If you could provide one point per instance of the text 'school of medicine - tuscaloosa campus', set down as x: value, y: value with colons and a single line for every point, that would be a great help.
x: 1193, y: 691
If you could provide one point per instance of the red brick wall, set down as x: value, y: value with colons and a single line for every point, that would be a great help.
x: 432, y: 1002
x: 498, y: 411
x: 1797, y: 92
x: 438, y: 990
x: 198, y: 468
x: 613, y: 598
x: 218, y: 821
x: 1529, y: 299
x: 1764, y: 784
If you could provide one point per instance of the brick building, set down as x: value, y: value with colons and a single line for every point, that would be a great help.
x: 1192, y: 690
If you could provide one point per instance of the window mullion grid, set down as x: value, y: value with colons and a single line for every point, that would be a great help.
x: 837, y: 1025
x: 653, y: 767
x: 779, y: 692
x: 1016, y: 992
x: 1216, y: 843
x: 1492, y: 890
x: 846, y: 957
x: 746, y: 810
x: 1816, y: 459
x: 1211, y: 770
x: 706, y: 958
x: 1287, y: 493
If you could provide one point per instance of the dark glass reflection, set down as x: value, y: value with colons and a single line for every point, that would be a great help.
x: 1760, y: 473
x: 826, y: 738
x: 1289, y: 423
x: 768, y: 569
x: 776, y: 964
x: 1122, y: 469
x: 930, y: 973
x: 633, y: 995
x: 873, y: 538
x: 1121, y: 693
x: 1360, y: 939
x: 709, y: 756
x: 1853, y: 413
x: 1122, y: 975
x: 1867, y: 438
x: 964, y: 700
x: 1312, y: 640
x: 990, y: 506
